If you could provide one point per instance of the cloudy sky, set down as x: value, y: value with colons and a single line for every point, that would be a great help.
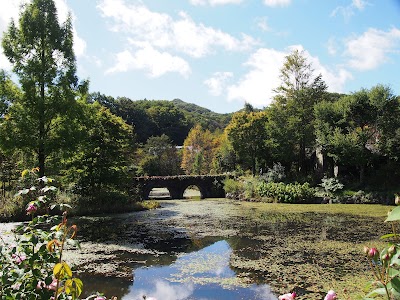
x: 221, y: 53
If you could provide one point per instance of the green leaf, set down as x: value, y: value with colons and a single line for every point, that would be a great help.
x: 389, y: 235
x: 395, y: 284
x: 380, y: 291
x: 394, y: 215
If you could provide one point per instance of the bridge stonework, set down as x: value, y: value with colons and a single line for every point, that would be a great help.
x: 210, y: 186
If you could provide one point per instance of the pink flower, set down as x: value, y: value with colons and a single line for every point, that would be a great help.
x: 373, y: 252
x: 53, y: 285
x: 330, y: 296
x: 40, y: 285
x: 31, y: 208
x: 287, y: 296
x: 16, y: 286
x: 18, y: 258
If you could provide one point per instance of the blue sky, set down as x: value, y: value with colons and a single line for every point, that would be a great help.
x: 221, y: 53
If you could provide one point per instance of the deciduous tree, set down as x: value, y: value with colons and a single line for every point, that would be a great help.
x: 40, y: 50
x: 247, y: 134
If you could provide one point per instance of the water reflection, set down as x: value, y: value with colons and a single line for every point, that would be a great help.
x: 204, y: 274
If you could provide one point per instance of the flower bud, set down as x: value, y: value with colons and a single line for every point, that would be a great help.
x: 392, y: 249
x: 331, y: 295
x: 31, y: 208
x: 385, y: 257
x: 373, y: 252
x: 366, y: 250
x: 397, y: 199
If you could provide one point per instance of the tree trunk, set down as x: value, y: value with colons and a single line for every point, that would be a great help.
x: 362, y: 174
x: 41, y: 158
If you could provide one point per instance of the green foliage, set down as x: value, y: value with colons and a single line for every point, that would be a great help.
x: 198, y: 151
x: 101, y: 161
x: 225, y: 158
x: 31, y: 265
x: 275, y: 174
x: 246, y: 133
x: 233, y: 186
x: 331, y: 185
x: 290, y: 125
x: 385, y: 264
x: 359, y: 127
x: 159, y: 157
x: 41, y: 53
x: 205, y: 117
x: 287, y: 193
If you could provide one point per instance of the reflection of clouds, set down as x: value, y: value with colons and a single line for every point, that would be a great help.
x: 201, y: 275
x: 264, y: 292
x: 164, y: 291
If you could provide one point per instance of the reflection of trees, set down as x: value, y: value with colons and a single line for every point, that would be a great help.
x: 111, y: 286
x: 117, y: 241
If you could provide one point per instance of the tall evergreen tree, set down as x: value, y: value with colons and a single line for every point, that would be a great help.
x: 40, y: 50
x: 292, y: 113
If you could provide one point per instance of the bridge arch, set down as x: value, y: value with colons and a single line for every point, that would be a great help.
x: 210, y: 186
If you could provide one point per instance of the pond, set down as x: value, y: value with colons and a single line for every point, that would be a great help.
x: 223, y: 249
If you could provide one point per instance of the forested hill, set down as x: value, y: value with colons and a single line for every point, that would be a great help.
x: 157, y: 117
x: 200, y: 115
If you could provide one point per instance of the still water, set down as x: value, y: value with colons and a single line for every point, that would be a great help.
x: 203, y: 274
x: 223, y: 249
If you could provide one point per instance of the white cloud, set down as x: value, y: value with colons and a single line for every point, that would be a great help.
x: 332, y: 46
x: 215, y: 2
x: 162, y: 31
x: 166, y: 291
x: 262, y: 24
x: 348, y: 11
x: 10, y: 10
x: 63, y: 10
x: 359, y: 4
x: 274, y: 3
x: 372, y: 48
x: 217, y: 83
x: 335, y: 79
x: 257, y: 86
x: 155, y: 63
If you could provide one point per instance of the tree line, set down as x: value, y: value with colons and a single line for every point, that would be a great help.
x: 95, y: 143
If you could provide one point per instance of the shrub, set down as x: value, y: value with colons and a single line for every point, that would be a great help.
x: 287, y: 193
x: 232, y: 186
x: 275, y: 174
x: 331, y: 185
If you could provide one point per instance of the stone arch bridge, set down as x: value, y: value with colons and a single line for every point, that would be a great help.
x: 210, y: 186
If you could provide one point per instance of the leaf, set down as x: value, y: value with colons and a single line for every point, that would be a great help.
x: 379, y: 291
x: 67, y: 269
x: 389, y: 235
x: 395, y: 284
x: 57, y: 270
x: 78, y: 286
x: 24, y: 173
x: 68, y: 286
x: 51, y: 245
x: 394, y: 215
x: 48, y: 188
x: 62, y: 269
